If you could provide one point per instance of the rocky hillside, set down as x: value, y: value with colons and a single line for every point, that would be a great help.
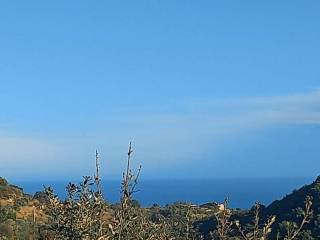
x: 14, y: 197
x: 11, y: 195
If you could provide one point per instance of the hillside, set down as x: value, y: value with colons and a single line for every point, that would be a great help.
x: 9, y: 192
x: 20, y: 213
x: 17, y: 211
x: 288, y: 209
x: 282, y: 208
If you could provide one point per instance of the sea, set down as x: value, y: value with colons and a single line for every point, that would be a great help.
x: 241, y: 193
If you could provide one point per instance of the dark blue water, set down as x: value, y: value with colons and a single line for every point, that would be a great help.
x: 242, y: 193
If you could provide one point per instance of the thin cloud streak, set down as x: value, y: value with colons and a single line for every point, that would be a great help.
x: 187, y: 136
x: 161, y: 140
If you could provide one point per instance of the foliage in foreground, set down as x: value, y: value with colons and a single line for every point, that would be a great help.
x: 85, y: 215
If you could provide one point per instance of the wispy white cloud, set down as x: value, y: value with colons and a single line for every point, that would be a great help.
x: 13, y: 149
x: 23, y: 157
x: 161, y: 140
x: 177, y: 138
x: 296, y: 109
x: 46, y: 157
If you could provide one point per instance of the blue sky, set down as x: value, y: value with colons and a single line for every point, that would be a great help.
x: 204, y: 89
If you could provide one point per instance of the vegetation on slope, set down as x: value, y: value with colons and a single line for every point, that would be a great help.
x: 85, y: 215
